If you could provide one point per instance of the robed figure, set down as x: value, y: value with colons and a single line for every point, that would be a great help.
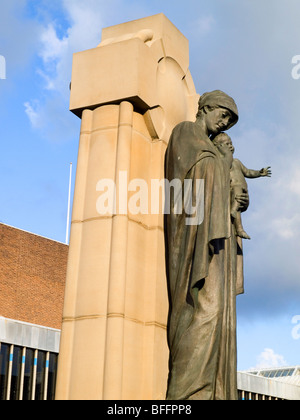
x: 204, y: 259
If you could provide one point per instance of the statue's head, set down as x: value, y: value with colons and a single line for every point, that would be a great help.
x: 223, y: 138
x: 219, y: 110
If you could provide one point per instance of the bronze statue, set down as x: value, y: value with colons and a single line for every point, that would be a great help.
x: 238, y: 184
x: 204, y: 261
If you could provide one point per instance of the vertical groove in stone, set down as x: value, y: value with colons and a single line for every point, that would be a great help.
x: 112, y: 378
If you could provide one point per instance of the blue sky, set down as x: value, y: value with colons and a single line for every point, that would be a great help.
x: 242, y: 47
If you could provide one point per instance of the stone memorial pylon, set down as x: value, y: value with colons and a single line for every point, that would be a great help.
x: 129, y: 91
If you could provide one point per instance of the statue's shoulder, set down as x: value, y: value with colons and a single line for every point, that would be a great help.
x: 184, y: 125
x: 181, y: 134
x: 183, y: 129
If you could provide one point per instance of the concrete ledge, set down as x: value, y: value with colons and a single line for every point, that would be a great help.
x: 267, y: 386
x: 29, y: 335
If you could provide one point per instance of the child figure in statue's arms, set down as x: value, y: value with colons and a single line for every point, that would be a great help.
x: 238, y: 184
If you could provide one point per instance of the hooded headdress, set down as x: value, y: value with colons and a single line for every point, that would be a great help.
x: 220, y: 99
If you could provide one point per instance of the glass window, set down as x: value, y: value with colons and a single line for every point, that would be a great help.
x: 286, y: 373
x: 52, y: 376
x: 16, y: 373
x: 4, y: 361
x: 272, y: 374
x: 28, y: 374
x: 247, y: 395
x: 265, y: 373
x: 40, y: 375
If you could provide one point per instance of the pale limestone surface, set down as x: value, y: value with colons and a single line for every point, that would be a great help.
x: 129, y: 92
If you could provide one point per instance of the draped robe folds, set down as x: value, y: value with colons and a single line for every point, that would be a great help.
x: 204, y: 271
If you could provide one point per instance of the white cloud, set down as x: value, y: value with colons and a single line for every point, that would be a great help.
x: 205, y: 24
x: 282, y: 203
x: 32, y: 114
x: 53, y: 48
x: 86, y: 18
x: 286, y: 227
x: 84, y: 32
x: 57, y: 42
x: 48, y: 80
x: 269, y: 359
x: 294, y: 183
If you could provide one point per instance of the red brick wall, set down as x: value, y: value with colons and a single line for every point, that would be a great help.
x: 32, y: 277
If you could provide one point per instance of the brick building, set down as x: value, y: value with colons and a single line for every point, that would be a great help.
x: 32, y: 282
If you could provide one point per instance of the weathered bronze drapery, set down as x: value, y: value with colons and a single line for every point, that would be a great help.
x: 204, y: 261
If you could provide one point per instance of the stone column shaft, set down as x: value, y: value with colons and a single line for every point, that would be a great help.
x: 113, y: 369
x: 130, y: 91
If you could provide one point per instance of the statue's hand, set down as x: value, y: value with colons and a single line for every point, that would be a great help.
x: 243, y: 200
x: 266, y: 171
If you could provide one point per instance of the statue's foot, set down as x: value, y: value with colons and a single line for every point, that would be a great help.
x: 242, y: 234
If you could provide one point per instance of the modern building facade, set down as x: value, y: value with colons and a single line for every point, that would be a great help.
x: 270, y: 384
x: 28, y: 360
